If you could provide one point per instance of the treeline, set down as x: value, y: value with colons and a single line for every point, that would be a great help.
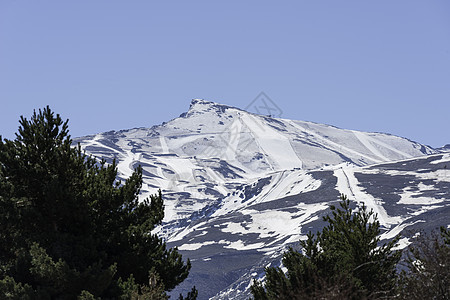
x: 346, y: 261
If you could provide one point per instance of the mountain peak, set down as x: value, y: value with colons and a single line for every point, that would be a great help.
x: 201, y: 106
x: 201, y: 102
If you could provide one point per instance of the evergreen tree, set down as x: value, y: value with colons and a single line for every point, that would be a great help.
x: 342, y: 261
x: 68, y: 228
x: 427, y: 274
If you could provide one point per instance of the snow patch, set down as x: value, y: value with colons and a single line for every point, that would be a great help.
x: 360, y: 196
x: 408, y: 197
x: 444, y: 158
x: 240, y: 245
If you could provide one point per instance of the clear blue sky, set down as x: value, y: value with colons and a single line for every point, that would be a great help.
x: 109, y: 65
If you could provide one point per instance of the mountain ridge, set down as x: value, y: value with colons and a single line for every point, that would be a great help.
x: 225, y: 172
x: 217, y: 143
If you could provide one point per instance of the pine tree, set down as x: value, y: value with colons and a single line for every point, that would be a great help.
x: 427, y: 274
x: 344, y: 260
x: 69, y: 228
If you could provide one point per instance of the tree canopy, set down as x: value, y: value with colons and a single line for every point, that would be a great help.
x: 69, y: 228
x: 427, y: 274
x: 344, y: 260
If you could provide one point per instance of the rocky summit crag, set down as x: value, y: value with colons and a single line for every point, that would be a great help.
x: 239, y: 187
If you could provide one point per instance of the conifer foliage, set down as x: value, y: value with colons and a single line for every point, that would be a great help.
x: 427, y: 274
x: 344, y: 261
x: 69, y: 229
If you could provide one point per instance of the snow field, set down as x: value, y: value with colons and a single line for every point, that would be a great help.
x: 366, y: 141
x: 334, y: 145
x: 276, y: 224
x: 281, y: 184
x: 275, y: 145
x: 412, y: 197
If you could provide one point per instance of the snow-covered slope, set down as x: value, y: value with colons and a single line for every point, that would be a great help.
x: 209, y: 150
x: 239, y: 187
x: 250, y: 229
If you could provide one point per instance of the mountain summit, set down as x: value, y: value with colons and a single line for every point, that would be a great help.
x: 212, y: 147
x: 240, y: 187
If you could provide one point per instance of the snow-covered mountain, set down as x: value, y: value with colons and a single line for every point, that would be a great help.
x: 240, y: 187
x: 209, y: 150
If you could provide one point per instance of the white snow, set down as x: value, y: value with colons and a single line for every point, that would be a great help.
x: 361, y: 196
x: 282, y: 184
x: 235, y: 134
x: 240, y: 245
x: 195, y: 246
x: 289, y: 183
x: 327, y: 141
x: 237, y: 245
x: 275, y: 145
x: 162, y: 141
x: 277, y: 223
x: 125, y: 166
x: 239, y: 137
x: 424, y: 209
x: 402, y: 244
x: 409, y: 197
x: 281, y: 152
x: 366, y: 141
x: 396, y: 230
x: 343, y: 184
x: 185, y: 231
x: 440, y: 175
x: 445, y: 158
